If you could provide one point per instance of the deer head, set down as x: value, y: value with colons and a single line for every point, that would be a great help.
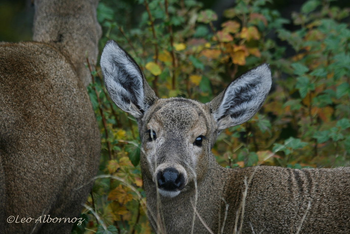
x: 176, y: 133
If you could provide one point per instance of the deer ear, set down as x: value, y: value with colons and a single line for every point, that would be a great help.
x: 242, y: 98
x: 125, y: 82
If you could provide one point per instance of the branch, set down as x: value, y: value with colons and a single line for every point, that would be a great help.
x: 104, y: 122
x: 155, y: 81
x: 173, y: 57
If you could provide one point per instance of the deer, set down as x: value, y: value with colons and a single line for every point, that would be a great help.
x: 187, y: 191
x: 49, y: 137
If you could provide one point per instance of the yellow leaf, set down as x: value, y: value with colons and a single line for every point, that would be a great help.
x: 212, y: 54
x: 179, y: 46
x: 112, y: 166
x: 308, y: 98
x: 197, y: 48
x: 215, y: 152
x: 164, y: 56
x: 231, y: 26
x: 238, y: 54
x: 125, y: 161
x: 207, y: 45
x: 138, y: 181
x: 255, y: 52
x: 240, y: 163
x: 195, y: 79
x: 146, y: 229
x: 173, y: 93
x: 118, y: 210
x: 223, y: 36
x: 276, y: 107
x: 250, y: 33
x: 324, y: 113
x: 238, y: 58
x: 107, y: 212
x: 314, y: 35
x: 120, y: 194
x: 120, y: 134
x: 153, y: 68
x: 256, y: 18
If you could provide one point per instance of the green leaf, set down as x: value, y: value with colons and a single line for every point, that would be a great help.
x: 343, y: 123
x: 205, y: 87
x: 295, y: 166
x: 347, y: 144
x: 110, y: 230
x: 294, y: 104
x: 196, y: 63
x: 289, y: 145
x: 278, y: 147
x: 309, y: 6
x: 304, y: 86
x: 327, y: 25
x: 295, y: 143
x: 252, y: 159
x: 207, y: 16
x: 104, y: 12
x: 343, y: 89
x: 263, y: 124
x: 342, y: 60
x: 322, y: 100
x: 335, y: 134
x: 299, y: 69
x: 201, y: 31
x: 332, y: 43
x: 319, y: 72
x: 321, y: 136
x: 134, y: 153
x: 173, y: 93
x: 205, y: 84
x: 230, y: 13
x: 190, y: 3
x: 177, y: 20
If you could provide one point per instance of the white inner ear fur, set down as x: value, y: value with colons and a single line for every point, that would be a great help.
x: 120, y: 72
x: 258, y: 84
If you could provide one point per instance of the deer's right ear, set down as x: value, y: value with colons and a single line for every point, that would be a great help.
x: 125, y: 82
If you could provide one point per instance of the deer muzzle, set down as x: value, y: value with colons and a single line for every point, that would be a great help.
x: 170, y: 181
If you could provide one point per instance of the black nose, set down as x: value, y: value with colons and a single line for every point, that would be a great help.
x: 170, y: 179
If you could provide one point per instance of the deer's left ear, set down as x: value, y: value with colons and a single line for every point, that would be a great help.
x: 242, y: 98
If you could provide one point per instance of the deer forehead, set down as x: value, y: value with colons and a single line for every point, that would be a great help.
x: 181, y: 115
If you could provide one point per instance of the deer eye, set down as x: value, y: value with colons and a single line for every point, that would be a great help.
x: 199, y: 140
x: 152, y: 136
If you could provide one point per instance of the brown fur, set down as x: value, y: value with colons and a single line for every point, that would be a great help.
x: 72, y: 26
x: 49, y: 139
x: 277, y: 197
x: 188, y: 192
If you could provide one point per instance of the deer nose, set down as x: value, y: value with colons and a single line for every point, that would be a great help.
x: 170, y: 179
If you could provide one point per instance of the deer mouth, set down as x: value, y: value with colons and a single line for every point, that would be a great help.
x: 169, y: 194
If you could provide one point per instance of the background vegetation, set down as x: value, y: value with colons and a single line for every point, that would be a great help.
x: 304, y: 122
x: 185, y: 50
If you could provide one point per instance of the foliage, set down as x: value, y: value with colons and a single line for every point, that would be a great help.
x: 305, y: 121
